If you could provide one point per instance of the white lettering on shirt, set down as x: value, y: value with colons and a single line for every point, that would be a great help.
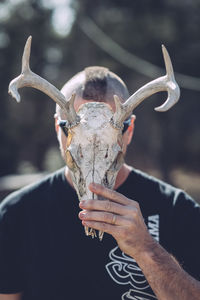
x: 124, y: 270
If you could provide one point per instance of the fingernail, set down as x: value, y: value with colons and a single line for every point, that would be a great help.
x: 85, y: 223
x: 82, y: 203
x: 82, y: 214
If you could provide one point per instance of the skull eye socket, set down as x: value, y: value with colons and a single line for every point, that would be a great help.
x: 62, y: 124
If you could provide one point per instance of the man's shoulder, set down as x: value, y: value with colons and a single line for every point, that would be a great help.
x: 151, y: 186
x: 150, y: 181
x: 34, y: 191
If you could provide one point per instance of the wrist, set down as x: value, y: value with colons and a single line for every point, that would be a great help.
x: 147, y: 252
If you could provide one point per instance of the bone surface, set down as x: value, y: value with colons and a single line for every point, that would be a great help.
x: 93, y: 153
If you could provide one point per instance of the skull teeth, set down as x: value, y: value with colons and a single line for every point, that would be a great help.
x: 91, y: 232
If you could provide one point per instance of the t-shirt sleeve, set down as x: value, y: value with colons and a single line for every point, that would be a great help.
x: 11, y: 274
x: 186, y: 233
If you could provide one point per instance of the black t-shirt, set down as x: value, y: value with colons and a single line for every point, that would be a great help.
x: 45, y: 253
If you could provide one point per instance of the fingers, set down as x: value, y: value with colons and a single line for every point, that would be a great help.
x: 104, y: 205
x: 118, y: 204
x: 109, y: 194
x: 104, y: 217
x: 115, y: 215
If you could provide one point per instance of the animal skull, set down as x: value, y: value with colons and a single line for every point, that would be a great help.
x: 94, y: 150
x: 94, y: 142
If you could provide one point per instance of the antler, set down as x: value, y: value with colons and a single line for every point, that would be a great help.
x: 164, y: 83
x: 28, y: 78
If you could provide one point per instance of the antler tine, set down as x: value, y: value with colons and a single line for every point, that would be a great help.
x: 173, y: 88
x: 164, y: 83
x: 26, y: 55
x: 29, y: 79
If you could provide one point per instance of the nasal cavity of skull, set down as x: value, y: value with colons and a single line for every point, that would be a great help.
x: 80, y: 153
x: 105, y: 180
x: 106, y: 155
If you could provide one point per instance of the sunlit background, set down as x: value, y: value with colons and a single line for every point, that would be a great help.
x: 123, y: 35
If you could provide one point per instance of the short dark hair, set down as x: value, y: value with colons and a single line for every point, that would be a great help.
x: 101, y: 84
x: 96, y: 84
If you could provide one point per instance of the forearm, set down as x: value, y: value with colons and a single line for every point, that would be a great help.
x: 122, y: 218
x: 11, y: 296
x: 165, y: 276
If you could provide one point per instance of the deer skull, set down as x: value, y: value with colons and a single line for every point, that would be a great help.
x: 94, y: 150
x: 94, y: 142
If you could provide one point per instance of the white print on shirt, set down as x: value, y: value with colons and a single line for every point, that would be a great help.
x: 153, y: 226
x: 137, y: 295
x: 124, y: 270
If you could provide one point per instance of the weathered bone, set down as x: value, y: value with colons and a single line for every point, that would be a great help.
x: 164, y: 83
x: 93, y: 152
x: 29, y: 79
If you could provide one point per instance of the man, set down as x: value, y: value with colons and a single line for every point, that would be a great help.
x: 44, y: 253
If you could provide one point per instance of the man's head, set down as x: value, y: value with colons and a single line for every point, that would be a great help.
x: 94, y: 84
x: 94, y: 148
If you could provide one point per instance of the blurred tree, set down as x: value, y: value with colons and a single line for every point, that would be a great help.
x: 24, y: 128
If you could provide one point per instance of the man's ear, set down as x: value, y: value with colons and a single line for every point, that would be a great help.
x: 56, y: 123
x: 130, y: 130
x: 57, y: 129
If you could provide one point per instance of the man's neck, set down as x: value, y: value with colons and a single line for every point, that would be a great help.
x: 120, y: 179
x: 122, y: 175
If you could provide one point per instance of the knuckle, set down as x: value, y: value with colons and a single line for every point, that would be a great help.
x: 135, y: 213
x: 104, y: 226
x: 106, y: 217
x: 110, y: 218
x: 112, y: 194
x: 129, y: 201
x: 133, y: 203
x: 88, y: 203
x: 100, y: 188
x: 107, y: 205
x: 137, y: 205
x: 91, y: 203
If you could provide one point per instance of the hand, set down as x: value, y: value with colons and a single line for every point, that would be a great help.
x: 119, y: 216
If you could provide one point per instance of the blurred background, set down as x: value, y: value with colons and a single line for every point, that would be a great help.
x: 126, y: 37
